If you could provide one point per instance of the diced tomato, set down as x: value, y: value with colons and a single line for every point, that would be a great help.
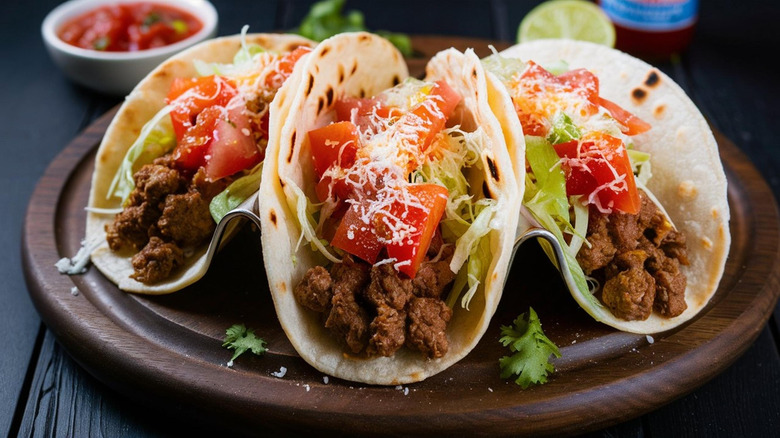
x: 334, y: 144
x: 584, y: 82
x: 233, y: 146
x: 444, y: 100
x: 634, y: 125
x: 595, y: 161
x: 201, y: 93
x: 193, y: 145
x: 357, y: 237
x: 285, y: 66
x: 410, y: 252
x: 368, y: 112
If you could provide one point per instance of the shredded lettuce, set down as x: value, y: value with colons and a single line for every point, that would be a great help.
x: 546, y: 199
x: 640, y: 165
x: 243, y: 60
x: 298, y: 202
x: 503, y: 68
x: 155, y: 140
x: 467, y: 221
x: 237, y: 192
x: 563, y: 129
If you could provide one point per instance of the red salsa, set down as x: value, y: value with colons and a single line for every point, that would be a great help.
x: 129, y: 27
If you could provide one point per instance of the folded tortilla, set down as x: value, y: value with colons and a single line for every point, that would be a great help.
x: 140, y: 106
x: 363, y: 65
x: 687, y: 174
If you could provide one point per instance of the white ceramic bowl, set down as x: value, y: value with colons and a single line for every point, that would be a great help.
x: 117, y: 72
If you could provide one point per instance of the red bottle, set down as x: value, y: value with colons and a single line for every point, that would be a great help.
x: 652, y: 28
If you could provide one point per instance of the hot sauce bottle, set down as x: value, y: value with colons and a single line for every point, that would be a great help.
x: 652, y: 28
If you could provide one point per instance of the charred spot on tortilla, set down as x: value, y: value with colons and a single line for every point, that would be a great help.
x: 659, y: 111
x: 281, y: 183
x: 493, y: 168
x: 341, y: 74
x: 486, y: 190
x: 474, y: 72
x: 354, y: 69
x: 309, y: 87
x: 362, y: 93
x: 652, y: 79
x: 324, y: 52
x: 329, y: 95
x: 396, y: 80
x: 292, y: 46
x: 321, y: 105
x: 292, y: 146
x: 364, y: 38
x: 273, y: 217
x: 639, y: 95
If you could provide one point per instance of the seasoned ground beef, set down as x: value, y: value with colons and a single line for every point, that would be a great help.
x: 130, y: 229
x: 428, y: 318
x: 314, y: 292
x: 388, y: 330
x: 156, y: 261
x: 167, y: 213
x: 186, y: 219
x: 637, y: 258
x: 376, y: 310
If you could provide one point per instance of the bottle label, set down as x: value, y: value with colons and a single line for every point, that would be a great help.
x: 652, y: 15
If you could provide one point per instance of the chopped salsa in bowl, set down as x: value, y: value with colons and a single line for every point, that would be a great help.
x: 129, y: 27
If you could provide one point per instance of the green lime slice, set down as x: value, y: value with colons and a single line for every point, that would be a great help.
x: 572, y: 19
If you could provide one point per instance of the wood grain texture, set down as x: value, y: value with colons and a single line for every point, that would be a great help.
x: 165, y: 351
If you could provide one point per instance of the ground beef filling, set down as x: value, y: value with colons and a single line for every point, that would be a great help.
x: 376, y: 311
x: 166, y: 216
x: 637, y: 260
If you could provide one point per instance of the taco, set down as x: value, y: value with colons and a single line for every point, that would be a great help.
x: 624, y: 170
x: 388, y: 213
x: 185, y: 147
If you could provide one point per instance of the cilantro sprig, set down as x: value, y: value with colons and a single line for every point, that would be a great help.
x: 325, y: 19
x: 531, y: 351
x: 241, y: 339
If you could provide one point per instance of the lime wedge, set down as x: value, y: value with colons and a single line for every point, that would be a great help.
x: 572, y: 19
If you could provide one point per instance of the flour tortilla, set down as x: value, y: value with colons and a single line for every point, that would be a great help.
x: 140, y: 106
x: 688, y: 178
x: 362, y: 64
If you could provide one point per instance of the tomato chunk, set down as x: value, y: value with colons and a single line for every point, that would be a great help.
x: 356, y: 236
x: 190, y: 96
x: 409, y: 251
x: 285, y: 66
x: 233, y: 146
x: 432, y: 113
x: 598, y: 165
x: 334, y: 144
x: 634, y: 125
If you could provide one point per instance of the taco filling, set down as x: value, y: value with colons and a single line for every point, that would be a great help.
x: 586, y: 185
x: 398, y: 217
x: 195, y: 160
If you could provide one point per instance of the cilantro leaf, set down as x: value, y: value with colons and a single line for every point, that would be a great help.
x: 531, y: 348
x: 325, y: 19
x: 241, y: 339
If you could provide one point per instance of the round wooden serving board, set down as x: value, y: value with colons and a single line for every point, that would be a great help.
x: 165, y: 351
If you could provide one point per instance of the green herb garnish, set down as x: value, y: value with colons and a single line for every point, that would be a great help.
x: 325, y: 19
x: 531, y: 351
x: 241, y: 339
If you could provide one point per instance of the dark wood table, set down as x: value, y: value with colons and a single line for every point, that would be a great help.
x: 728, y: 72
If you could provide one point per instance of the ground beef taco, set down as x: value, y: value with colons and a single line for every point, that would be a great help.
x: 185, y: 147
x: 624, y: 170
x: 389, y: 207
